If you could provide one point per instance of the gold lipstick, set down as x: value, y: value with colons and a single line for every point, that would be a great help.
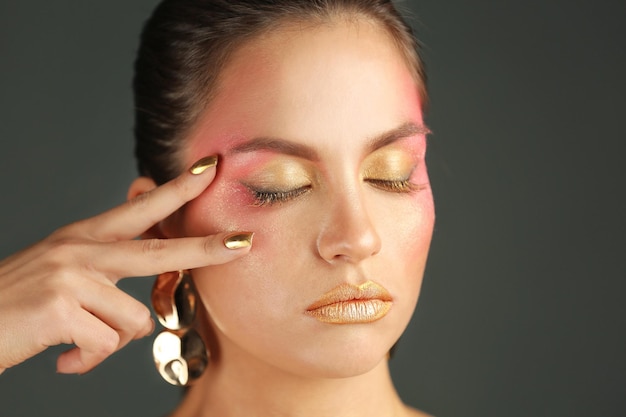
x: 350, y: 304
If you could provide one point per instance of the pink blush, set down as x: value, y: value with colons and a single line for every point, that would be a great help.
x: 240, y: 166
x: 223, y: 206
x: 416, y: 146
x: 227, y: 195
x: 239, y: 196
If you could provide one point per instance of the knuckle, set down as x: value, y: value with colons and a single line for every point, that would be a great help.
x: 109, y: 343
x: 59, y: 306
x: 140, y: 201
x: 208, y: 245
x: 140, y: 316
x: 66, y: 260
x: 88, y: 268
x: 63, y: 249
x: 152, y: 246
x: 69, y: 231
x: 63, y: 232
x: 181, y: 188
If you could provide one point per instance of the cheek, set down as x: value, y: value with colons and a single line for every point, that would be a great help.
x: 412, y: 218
x: 406, y: 240
x: 419, y: 222
x: 226, y: 205
x: 259, y: 295
x: 418, y: 237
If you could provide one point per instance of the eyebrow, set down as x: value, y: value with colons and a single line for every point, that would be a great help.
x: 406, y: 130
x: 304, y: 151
x: 278, y: 145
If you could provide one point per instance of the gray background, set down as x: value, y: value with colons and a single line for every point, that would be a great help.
x: 522, y: 310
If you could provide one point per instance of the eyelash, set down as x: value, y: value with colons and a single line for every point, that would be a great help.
x: 396, y: 186
x: 268, y: 198
x: 264, y: 198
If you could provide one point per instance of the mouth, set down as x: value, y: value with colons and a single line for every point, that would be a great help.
x: 350, y: 304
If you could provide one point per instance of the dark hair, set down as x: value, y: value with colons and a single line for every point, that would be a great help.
x: 185, y: 45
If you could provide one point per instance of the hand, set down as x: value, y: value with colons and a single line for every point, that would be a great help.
x: 62, y: 290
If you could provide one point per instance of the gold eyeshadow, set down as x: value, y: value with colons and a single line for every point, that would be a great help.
x: 282, y: 174
x: 389, y: 164
x: 284, y: 179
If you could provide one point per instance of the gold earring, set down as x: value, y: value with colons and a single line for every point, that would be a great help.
x: 180, y: 354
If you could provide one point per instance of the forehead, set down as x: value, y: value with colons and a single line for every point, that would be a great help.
x: 344, y: 78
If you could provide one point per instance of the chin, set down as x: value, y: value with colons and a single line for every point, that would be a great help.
x: 352, y: 367
x: 332, y: 359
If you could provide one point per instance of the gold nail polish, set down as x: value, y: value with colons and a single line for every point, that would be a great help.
x: 238, y: 240
x: 203, y: 164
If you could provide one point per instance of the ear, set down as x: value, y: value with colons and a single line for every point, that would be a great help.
x: 140, y: 186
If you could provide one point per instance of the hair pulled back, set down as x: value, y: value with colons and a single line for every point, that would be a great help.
x: 186, y: 44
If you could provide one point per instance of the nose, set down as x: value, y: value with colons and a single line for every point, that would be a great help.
x: 348, y: 234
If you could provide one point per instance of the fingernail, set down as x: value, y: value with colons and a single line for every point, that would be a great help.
x: 203, y: 164
x: 238, y: 240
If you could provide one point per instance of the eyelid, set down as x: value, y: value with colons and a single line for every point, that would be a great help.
x: 279, y: 181
x: 397, y: 186
x: 278, y: 172
x: 271, y: 197
x: 402, y: 184
x: 390, y: 164
x: 257, y: 188
x: 392, y: 168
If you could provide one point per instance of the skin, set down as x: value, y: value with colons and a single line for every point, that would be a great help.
x: 268, y: 356
x: 332, y: 89
x: 62, y: 289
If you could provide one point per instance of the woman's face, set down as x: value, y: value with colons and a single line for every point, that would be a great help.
x: 322, y: 154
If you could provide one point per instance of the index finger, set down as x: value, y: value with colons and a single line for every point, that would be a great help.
x: 142, y: 258
x: 137, y: 215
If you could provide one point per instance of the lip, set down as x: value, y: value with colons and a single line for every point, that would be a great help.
x: 350, y: 304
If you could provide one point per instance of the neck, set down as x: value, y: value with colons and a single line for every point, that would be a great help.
x: 238, y: 386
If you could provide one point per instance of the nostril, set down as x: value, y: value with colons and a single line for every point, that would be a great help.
x: 340, y: 246
x: 347, y: 232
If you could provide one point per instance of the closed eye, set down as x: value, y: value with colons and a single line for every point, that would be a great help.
x: 271, y: 197
x: 396, y: 186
